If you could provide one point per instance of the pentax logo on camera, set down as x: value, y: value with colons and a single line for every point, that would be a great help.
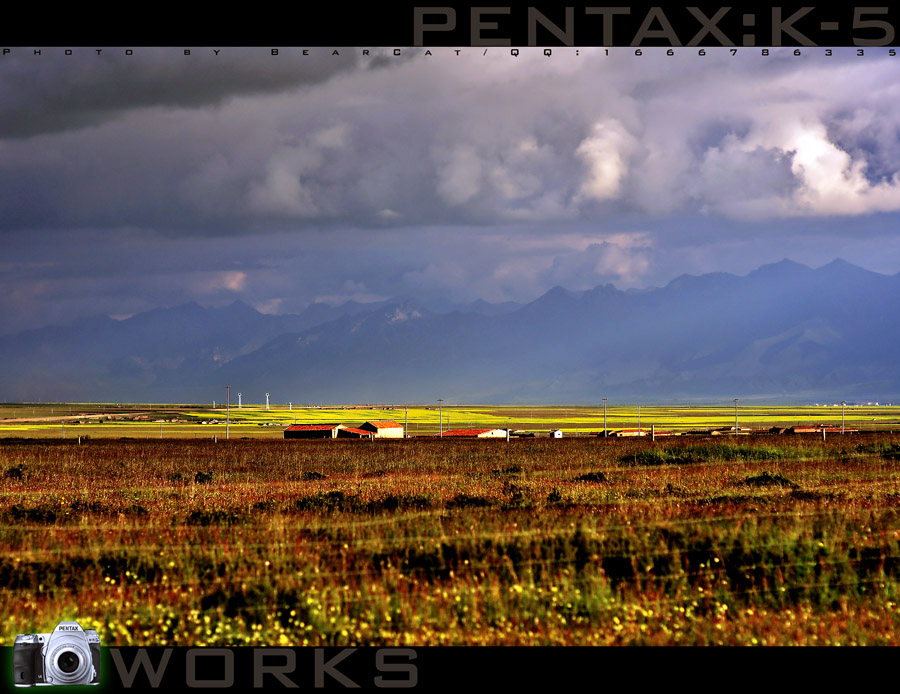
x: 68, y: 655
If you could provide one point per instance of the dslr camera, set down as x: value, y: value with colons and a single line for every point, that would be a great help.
x: 68, y: 655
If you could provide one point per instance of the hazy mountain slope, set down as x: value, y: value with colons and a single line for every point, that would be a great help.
x: 783, y: 331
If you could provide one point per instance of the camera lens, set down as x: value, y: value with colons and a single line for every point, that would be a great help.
x: 68, y: 662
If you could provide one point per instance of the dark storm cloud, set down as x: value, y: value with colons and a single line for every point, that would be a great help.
x: 125, y: 186
x: 214, y: 148
x: 53, y: 92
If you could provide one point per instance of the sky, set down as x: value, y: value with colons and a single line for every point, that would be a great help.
x: 134, y: 182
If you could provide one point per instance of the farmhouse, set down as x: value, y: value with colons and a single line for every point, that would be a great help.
x: 637, y: 432
x: 476, y: 433
x: 817, y: 429
x: 351, y: 433
x: 729, y: 430
x: 629, y: 432
x: 384, y: 429
x: 555, y: 434
x: 802, y: 430
x: 313, y: 431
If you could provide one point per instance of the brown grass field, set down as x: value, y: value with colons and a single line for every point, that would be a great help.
x: 772, y: 540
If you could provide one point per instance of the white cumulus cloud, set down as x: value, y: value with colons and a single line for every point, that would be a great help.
x: 605, y: 152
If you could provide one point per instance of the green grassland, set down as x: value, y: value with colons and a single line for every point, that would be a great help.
x: 183, y: 421
x: 684, y: 541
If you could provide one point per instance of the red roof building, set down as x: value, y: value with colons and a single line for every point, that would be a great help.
x: 384, y: 429
x: 630, y: 432
x: 313, y: 431
x: 476, y: 433
x: 817, y: 429
x: 351, y: 433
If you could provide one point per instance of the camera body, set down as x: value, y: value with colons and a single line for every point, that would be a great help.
x: 68, y: 655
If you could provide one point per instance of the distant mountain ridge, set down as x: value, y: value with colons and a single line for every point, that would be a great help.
x: 782, y: 332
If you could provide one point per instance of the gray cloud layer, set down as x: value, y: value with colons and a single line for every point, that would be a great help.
x: 54, y: 92
x: 127, y: 182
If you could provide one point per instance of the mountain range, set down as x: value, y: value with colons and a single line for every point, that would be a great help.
x: 782, y: 333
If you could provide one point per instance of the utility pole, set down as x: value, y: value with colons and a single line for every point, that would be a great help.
x: 605, y: 431
x: 406, y: 424
x: 735, y: 416
x: 843, y: 404
x: 239, y: 401
x: 640, y: 431
x: 227, y: 409
x: 267, y: 401
x: 441, y: 417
